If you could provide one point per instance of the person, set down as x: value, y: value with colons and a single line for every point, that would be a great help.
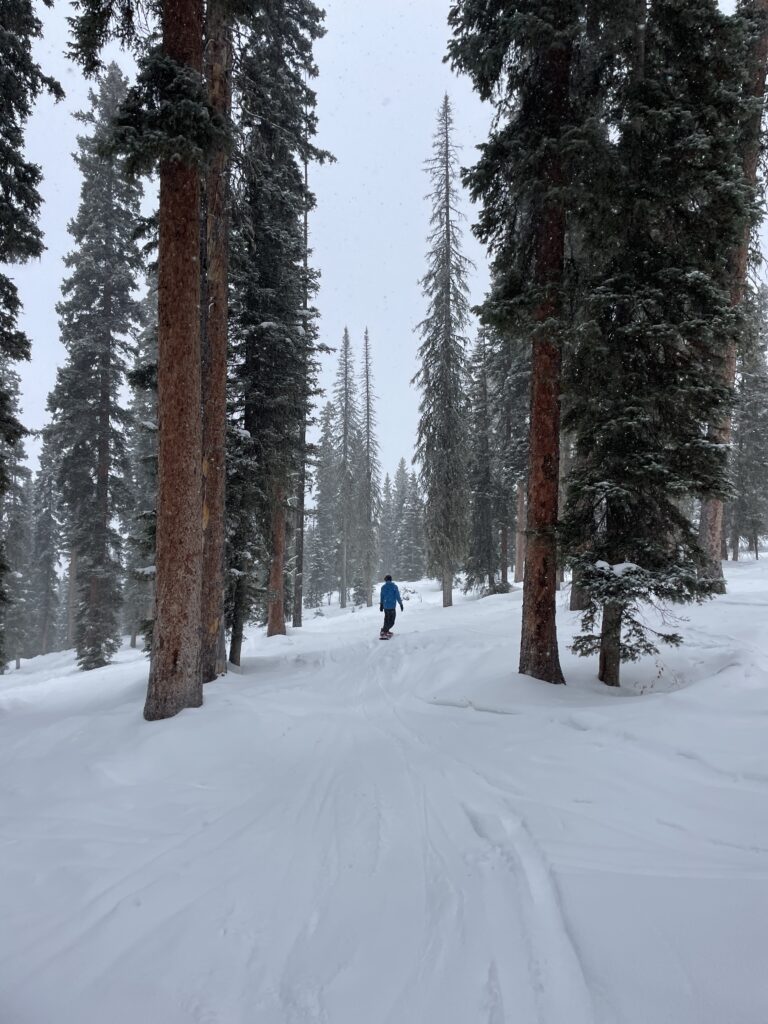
x: 390, y: 598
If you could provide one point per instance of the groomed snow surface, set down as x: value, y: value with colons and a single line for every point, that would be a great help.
x: 354, y: 831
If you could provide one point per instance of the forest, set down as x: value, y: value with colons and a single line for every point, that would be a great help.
x: 608, y: 421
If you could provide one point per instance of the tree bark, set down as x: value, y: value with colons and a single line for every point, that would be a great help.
x: 735, y: 538
x: 174, y: 679
x: 610, y: 644
x: 214, y: 355
x: 298, y: 581
x: 447, y: 586
x: 520, y: 534
x: 71, y: 599
x: 538, y: 646
x: 712, y: 519
x: 276, y: 584
x: 504, y: 553
x: 238, y: 623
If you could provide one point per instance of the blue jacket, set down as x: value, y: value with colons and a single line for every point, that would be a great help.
x: 390, y: 596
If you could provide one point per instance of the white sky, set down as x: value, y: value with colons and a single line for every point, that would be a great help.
x: 381, y: 81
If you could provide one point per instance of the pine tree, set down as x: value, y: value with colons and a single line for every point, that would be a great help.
x: 645, y: 376
x: 748, y: 508
x: 387, y: 531
x: 522, y: 56
x: 273, y: 336
x: 348, y: 445
x: 142, y: 452
x: 370, y: 475
x: 20, y: 237
x: 322, y: 575
x: 441, y: 447
x: 411, y: 537
x: 399, y: 498
x: 46, y: 550
x: 482, y: 555
x: 97, y: 314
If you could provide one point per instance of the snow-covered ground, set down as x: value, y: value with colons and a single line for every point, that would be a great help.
x: 358, y: 832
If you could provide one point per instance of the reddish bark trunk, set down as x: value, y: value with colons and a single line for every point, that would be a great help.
x: 174, y: 678
x: 276, y: 585
x: 712, y: 517
x: 214, y: 365
x: 538, y: 646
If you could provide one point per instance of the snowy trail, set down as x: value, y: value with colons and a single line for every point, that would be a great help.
x: 353, y: 832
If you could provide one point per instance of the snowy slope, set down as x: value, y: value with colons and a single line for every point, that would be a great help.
x: 358, y: 832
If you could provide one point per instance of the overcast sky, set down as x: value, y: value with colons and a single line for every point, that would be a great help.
x: 381, y: 80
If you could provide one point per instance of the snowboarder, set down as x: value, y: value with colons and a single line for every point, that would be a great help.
x: 390, y: 598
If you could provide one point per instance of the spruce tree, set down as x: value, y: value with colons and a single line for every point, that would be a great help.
x: 21, y: 82
x: 441, y: 447
x: 46, y: 551
x: 645, y: 374
x: 370, y: 475
x: 399, y: 497
x: 348, y: 444
x: 387, y: 531
x: 273, y: 335
x: 411, y: 542
x: 97, y: 314
x: 322, y: 571
x: 482, y: 554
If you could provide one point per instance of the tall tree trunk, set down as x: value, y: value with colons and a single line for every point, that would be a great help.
x: 504, y: 553
x: 174, y: 679
x: 520, y: 534
x: 539, y: 655
x: 343, y: 582
x: 238, y: 622
x: 72, y: 589
x: 276, y: 584
x: 447, y: 586
x: 610, y: 644
x: 735, y: 538
x: 298, y: 582
x: 214, y: 354
x: 711, y: 523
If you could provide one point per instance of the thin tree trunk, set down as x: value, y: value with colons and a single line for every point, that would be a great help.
x: 520, y: 534
x: 298, y: 583
x: 238, y: 622
x: 504, y: 553
x: 755, y: 545
x: 724, y: 539
x: 735, y: 538
x: 174, y: 679
x: 610, y: 644
x: 214, y: 356
x: 539, y: 655
x: 72, y: 599
x: 276, y: 584
x: 343, y: 582
x: 712, y: 519
x: 447, y: 586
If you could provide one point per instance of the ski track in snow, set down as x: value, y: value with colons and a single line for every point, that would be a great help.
x: 352, y: 832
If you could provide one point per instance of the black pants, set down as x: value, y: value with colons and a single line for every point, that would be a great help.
x: 389, y: 619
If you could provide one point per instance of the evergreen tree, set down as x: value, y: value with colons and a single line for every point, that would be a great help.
x: 273, y: 337
x: 348, y: 444
x: 97, y: 314
x: 411, y: 538
x: 370, y: 476
x: 142, y: 452
x: 322, y: 578
x: 387, y: 533
x: 646, y: 371
x: 483, y: 556
x: 748, y: 508
x: 399, y: 498
x: 441, y: 444
x: 46, y: 550
x: 21, y: 81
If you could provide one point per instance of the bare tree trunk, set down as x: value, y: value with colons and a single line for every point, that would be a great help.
x: 539, y: 655
x: 724, y: 539
x: 174, y: 678
x: 735, y: 538
x: 447, y: 586
x: 214, y: 354
x: 755, y: 545
x: 610, y: 644
x: 298, y: 583
x: 276, y: 584
x: 343, y: 582
x: 711, y: 522
x: 504, y: 553
x: 520, y: 534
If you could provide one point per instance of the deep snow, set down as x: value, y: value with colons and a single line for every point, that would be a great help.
x: 356, y: 832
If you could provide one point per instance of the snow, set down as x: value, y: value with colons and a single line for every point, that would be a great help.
x: 353, y: 832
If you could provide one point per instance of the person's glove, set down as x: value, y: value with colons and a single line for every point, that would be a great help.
x: 381, y: 607
x: 401, y: 607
